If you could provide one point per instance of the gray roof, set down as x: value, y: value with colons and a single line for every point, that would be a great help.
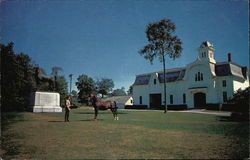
x: 228, y: 69
x: 142, y: 79
x: 118, y: 99
x: 206, y: 44
x: 172, y: 76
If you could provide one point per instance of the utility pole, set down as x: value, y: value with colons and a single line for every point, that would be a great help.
x: 70, y: 76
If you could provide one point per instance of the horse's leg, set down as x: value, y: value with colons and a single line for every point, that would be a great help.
x: 115, y: 111
x: 112, y: 110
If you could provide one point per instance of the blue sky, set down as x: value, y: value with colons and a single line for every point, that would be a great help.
x: 101, y: 38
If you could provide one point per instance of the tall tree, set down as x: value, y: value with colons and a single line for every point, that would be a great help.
x: 104, y: 86
x: 17, y: 80
x: 162, y: 42
x: 55, y: 71
x: 86, y: 86
x: 62, y: 88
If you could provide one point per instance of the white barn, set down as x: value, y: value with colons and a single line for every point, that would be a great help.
x: 200, y: 83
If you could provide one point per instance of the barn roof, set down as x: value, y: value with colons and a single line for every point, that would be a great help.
x: 172, y: 76
x: 228, y: 69
x: 176, y: 74
x: 142, y: 79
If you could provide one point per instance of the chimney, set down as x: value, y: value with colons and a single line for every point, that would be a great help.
x: 229, y: 57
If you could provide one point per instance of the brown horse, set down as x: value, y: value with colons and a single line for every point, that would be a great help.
x: 99, y: 104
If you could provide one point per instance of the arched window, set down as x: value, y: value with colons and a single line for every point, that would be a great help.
x: 199, y: 76
x: 140, y: 99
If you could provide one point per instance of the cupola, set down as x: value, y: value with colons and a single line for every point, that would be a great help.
x: 206, y: 52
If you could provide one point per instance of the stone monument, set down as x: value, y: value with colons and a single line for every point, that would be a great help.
x: 45, y: 102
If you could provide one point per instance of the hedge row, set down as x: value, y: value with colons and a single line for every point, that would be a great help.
x: 136, y: 107
x: 228, y: 107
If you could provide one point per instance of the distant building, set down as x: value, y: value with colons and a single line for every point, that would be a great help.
x: 121, y: 101
x: 201, y: 82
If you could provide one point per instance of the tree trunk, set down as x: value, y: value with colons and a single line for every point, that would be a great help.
x: 165, y: 88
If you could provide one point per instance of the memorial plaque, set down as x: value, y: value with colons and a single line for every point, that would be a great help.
x: 45, y: 102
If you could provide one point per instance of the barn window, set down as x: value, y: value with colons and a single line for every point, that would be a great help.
x: 140, y: 98
x: 184, y: 98
x: 224, y: 96
x: 171, y: 99
x: 199, y: 76
x: 224, y: 83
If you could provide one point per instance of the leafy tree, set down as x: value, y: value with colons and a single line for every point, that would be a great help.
x: 162, y: 42
x: 61, y: 88
x: 17, y: 80
x: 86, y: 86
x: 74, y: 93
x: 119, y: 92
x: 43, y: 86
x: 74, y: 98
x: 241, y: 100
x: 104, y: 86
x: 55, y: 71
x: 130, y: 90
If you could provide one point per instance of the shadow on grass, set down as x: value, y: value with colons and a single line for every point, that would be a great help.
x: 237, y: 127
x: 56, y: 121
x: 8, y: 118
x: 236, y: 117
x: 11, y: 149
x: 98, y: 113
x: 83, y: 120
x: 89, y: 120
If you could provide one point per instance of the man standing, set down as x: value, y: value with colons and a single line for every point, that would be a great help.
x: 67, y: 109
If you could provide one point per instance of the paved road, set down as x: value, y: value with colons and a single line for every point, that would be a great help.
x: 203, y: 111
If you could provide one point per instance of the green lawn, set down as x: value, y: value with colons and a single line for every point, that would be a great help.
x: 137, y: 135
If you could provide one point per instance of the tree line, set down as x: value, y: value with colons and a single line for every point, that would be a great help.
x: 104, y: 86
x: 18, y: 82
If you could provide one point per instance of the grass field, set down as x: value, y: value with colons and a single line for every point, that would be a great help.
x: 137, y: 135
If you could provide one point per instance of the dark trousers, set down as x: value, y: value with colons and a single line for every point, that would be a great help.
x: 96, y: 110
x: 66, y: 117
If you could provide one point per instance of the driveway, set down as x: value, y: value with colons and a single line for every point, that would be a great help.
x: 203, y: 111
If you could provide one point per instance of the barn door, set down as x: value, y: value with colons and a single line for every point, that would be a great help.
x: 199, y: 100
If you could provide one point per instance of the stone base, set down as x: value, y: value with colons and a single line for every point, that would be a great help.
x: 39, y: 109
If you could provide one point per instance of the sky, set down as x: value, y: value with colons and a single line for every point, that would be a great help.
x: 101, y: 38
